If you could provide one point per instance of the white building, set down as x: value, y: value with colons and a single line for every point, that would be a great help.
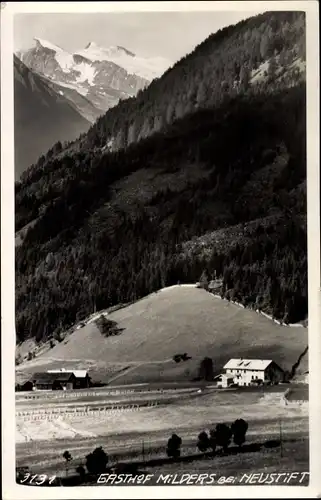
x: 246, y: 372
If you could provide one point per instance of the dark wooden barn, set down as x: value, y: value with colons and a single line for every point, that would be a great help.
x: 54, y: 381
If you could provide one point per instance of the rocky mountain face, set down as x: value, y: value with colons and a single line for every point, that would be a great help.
x: 102, y: 76
x: 42, y: 117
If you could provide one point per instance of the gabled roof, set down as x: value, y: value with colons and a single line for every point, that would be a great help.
x: 77, y: 373
x: 247, y: 364
x: 47, y: 378
x: 80, y: 373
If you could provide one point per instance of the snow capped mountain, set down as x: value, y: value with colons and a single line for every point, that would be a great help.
x: 148, y: 68
x: 102, y: 75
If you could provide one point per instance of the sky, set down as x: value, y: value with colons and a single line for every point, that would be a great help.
x: 167, y: 34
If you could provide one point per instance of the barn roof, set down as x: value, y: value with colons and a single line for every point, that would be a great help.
x: 77, y: 373
x: 80, y: 373
x: 247, y: 364
x: 44, y: 377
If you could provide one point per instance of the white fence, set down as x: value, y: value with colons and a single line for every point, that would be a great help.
x: 293, y: 403
x: 71, y: 394
x: 67, y: 413
x: 76, y: 394
x: 290, y: 325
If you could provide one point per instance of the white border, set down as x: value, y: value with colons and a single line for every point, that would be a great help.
x: 16, y: 492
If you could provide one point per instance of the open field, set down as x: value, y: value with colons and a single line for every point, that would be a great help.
x: 241, y: 465
x: 165, y: 399
x: 174, y: 320
x: 40, y: 443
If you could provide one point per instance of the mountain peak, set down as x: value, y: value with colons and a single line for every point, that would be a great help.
x: 40, y: 42
x: 147, y: 68
x: 91, y: 45
x: 123, y: 49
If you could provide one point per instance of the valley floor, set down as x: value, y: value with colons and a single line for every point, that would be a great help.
x: 142, y: 434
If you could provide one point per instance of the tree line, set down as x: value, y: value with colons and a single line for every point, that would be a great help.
x: 221, y: 436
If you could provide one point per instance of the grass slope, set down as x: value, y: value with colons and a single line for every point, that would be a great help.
x: 175, y: 320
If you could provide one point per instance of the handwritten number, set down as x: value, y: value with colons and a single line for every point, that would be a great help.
x: 25, y: 478
x: 41, y: 481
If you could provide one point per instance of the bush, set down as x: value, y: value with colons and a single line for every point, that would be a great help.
x: 97, y: 461
x: 222, y: 435
x: 181, y: 357
x: 107, y: 327
x: 67, y: 456
x: 174, y: 446
x: 203, y: 442
x: 239, y: 429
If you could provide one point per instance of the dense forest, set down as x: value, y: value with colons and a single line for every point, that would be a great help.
x: 220, y: 190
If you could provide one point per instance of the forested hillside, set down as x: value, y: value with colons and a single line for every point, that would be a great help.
x: 264, y: 53
x: 222, y: 66
x: 111, y: 227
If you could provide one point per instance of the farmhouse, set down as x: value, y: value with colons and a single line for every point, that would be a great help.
x: 82, y: 379
x: 61, y: 380
x: 244, y: 372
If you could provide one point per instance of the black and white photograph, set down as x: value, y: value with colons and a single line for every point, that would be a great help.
x: 163, y: 318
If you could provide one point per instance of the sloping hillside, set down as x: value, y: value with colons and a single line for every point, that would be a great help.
x: 41, y: 117
x: 176, y: 320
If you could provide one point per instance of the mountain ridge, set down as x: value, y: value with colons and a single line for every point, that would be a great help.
x: 42, y: 117
x: 102, y: 75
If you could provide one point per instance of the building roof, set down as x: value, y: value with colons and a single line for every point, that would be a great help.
x: 77, y: 373
x: 247, y: 364
x: 49, y: 378
x: 80, y: 373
